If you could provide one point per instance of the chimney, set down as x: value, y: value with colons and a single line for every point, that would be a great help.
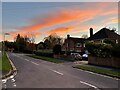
x: 68, y: 36
x: 91, y: 32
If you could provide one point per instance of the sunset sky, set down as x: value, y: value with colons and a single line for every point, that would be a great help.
x: 44, y: 18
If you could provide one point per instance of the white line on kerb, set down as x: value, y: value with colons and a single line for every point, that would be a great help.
x: 34, y: 63
x: 57, y: 72
x: 89, y: 85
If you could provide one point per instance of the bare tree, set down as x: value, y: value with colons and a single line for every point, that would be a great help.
x: 84, y: 36
x: 52, y: 40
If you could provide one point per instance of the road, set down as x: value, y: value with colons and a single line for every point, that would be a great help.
x: 34, y: 73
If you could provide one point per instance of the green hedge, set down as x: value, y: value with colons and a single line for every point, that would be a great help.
x: 116, y: 51
x: 103, y: 49
x: 45, y: 54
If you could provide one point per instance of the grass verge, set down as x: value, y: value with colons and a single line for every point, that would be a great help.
x: 5, y: 65
x: 46, y: 58
x: 99, y: 71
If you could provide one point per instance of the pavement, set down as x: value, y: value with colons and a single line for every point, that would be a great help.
x: 85, y: 63
x: 34, y: 73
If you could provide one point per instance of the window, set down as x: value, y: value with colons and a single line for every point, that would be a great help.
x: 83, y: 45
x: 116, y: 41
x: 102, y: 41
x: 78, y: 45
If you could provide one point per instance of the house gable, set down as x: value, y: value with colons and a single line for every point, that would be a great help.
x: 105, y: 33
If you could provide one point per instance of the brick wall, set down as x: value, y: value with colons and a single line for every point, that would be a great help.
x: 110, y: 62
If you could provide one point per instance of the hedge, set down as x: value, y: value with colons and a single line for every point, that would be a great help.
x: 45, y: 54
x: 103, y: 49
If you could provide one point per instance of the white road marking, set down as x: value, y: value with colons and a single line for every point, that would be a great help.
x: 13, y: 80
x: 57, y: 72
x: 26, y: 59
x: 14, y: 85
x: 4, y: 80
x: 20, y: 57
x: 5, y: 86
x: 17, y: 56
x: 89, y: 85
x: 34, y: 63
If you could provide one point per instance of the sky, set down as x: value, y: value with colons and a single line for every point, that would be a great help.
x: 40, y: 19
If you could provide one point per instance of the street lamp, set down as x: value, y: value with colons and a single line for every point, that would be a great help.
x: 4, y: 41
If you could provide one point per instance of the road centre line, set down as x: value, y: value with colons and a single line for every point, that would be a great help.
x: 90, y: 85
x: 26, y: 59
x: 57, y: 72
x: 17, y: 56
x: 34, y: 63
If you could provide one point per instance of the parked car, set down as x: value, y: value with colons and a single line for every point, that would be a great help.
x: 85, y: 56
x: 76, y: 56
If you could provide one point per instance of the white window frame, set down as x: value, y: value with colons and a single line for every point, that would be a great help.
x: 80, y: 45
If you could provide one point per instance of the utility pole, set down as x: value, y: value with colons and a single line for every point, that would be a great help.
x: 3, y: 47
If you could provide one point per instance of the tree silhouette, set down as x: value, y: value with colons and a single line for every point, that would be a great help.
x: 52, y: 40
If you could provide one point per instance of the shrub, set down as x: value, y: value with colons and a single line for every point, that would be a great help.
x: 116, y: 51
x: 99, y: 50
x: 107, y: 41
x: 57, y: 49
x: 28, y: 51
x: 45, y: 54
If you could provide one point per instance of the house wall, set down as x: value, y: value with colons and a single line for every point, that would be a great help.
x: 101, y: 40
x: 72, y: 46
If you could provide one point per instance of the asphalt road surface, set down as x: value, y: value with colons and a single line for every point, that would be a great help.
x: 34, y: 73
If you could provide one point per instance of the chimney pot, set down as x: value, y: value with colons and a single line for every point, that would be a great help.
x: 68, y: 36
x: 91, y: 32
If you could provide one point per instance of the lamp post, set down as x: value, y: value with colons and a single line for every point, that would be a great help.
x: 4, y: 41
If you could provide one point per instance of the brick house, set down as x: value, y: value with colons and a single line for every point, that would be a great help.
x: 73, y: 44
x: 104, y: 34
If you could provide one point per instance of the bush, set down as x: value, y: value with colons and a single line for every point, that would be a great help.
x: 57, y: 49
x: 45, y: 54
x: 99, y: 50
x: 28, y: 51
x: 107, y: 41
x: 62, y: 52
x: 116, y: 51
x: 103, y: 50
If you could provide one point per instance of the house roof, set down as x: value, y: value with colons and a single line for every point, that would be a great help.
x: 104, y: 33
x: 77, y: 40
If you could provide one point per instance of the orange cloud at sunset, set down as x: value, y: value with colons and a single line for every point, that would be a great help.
x: 115, y: 20
x: 64, y: 16
x: 29, y: 34
x: 60, y: 18
x: 62, y: 30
